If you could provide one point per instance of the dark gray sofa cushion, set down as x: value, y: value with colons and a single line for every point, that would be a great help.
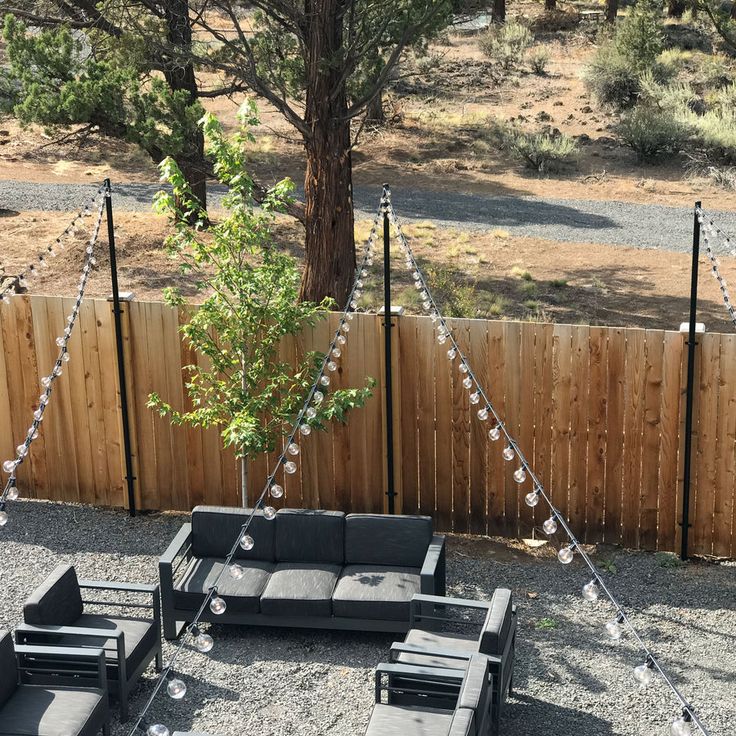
x: 395, y: 720
x: 498, y: 622
x: 215, y: 529
x: 375, y: 592
x: 377, y: 539
x: 241, y: 596
x: 305, y: 535
x: 59, y: 711
x: 300, y: 589
x: 57, y: 601
x: 8, y: 669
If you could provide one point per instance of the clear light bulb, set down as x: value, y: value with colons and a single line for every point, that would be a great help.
x: 293, y: 448
x: 269, y: 512
x: 613, y: 629
x: 531, y: 498
x: 452, y: 353
x: 157, y: 729
x: 290, y: 467
x: 247, y: 542
x: 495, y: 433
x: 468, y: 382
x: 276, y: 491
x: 520, y: 475
x: 341, y: 339
x: 680, y: 727
x: 508, y: 453
x: 3, y: 518
x: 305, y: 429
x: 218, y: 605
x: 12, y: 494
x: 463, y: 368
x: 9, y: 466
x: 336, y: 352
x: 441, y: 339
x: 318, y: 397
x: 565, y: 555
x: 483, y: 414
x: 176, y: 688
x: 643, y: 674
x: 590, y: 591
x: 474, y: 397
x: 550, y: 526
x: 310, y: 413
x: 203, y: 642
x: 236, y: 571
x: 331, y: 365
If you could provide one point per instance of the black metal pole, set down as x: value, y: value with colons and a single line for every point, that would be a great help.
x: 129, y: 477
x: 690, y: 390
x: 390, y: 492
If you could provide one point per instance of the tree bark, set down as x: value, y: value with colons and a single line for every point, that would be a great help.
x: 676, y: 8
x: 180, y: 76
x: 498, y: 14
x: 330, y: 240
x: 733, y: 11
x: 550, y: 4
x: 374, y: 111
x: 611, y: 11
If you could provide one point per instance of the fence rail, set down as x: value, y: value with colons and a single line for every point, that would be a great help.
x: 599, y: 409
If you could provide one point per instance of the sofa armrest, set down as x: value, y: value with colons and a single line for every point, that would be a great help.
x: 432, y: 575
x: 35, y: 661
x: 500, y: 623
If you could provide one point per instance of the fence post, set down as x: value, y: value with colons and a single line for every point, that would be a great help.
x: 690, y: 387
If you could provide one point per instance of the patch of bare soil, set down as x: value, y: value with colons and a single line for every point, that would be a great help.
x: 489, y: 275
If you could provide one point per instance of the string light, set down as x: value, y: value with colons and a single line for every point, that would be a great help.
x: 710, y: 231
x: 10, y: 466
x: 682, y: 725
x: 10, y: 284
x: 203, y: 642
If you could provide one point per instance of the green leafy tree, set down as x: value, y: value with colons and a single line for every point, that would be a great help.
x: 250, y: 288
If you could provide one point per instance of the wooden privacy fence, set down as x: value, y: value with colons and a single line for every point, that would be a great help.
x: 598, y: 411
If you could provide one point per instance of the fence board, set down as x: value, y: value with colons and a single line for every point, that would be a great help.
x: 598, y: 411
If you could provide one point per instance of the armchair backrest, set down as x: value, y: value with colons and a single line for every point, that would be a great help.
x: 57, y: 601
x: 305, y: 535
x: 378, y: 539
x: 8, y: 668
x: 497, y: 624
x: 215, y: 529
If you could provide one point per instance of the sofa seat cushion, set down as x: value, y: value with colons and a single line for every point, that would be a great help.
x: 241, y: 596
x: 47, y: 711
x: 375, y: 592
x: 300, y: 589
x: 390, y: 720
x: 432, y: 642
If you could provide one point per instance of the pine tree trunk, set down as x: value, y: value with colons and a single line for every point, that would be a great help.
x: 180, y: 76
x: 244, y: 482
x: 675, y: 8
x: 611, y: 10
x: 733, y: 10
x: 498, y: 13
x: 328, y: 196
x: 550, y: 4
x: 374, y: 111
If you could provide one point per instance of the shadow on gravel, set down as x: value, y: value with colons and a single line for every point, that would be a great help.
x: 525, y: 715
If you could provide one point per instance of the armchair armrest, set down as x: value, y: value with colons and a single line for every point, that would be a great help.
x: 500, y: 623
x: 143, y: 588
x: 418, y: 675
x: 399, y: 647
x: 423, y: 606
x: 23, y: 630
x: 35, y: 661
x: 122, y: 587
x: 432, y: 575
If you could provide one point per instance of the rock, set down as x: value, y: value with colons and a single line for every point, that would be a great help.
x: 543, y: 116
x: 586, y: 109
x: 583, y: 138
x: 558, y: 103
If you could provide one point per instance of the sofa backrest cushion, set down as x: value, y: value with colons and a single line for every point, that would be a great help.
x: 379, y: 539
x: 463, y: 723
x: 497, y: 623
x: 305, y: 535
x: 8, y: 668
x: 57, y: 601
x: 215, y: 529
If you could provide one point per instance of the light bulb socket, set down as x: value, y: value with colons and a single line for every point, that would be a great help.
x: 687, y: 714
x: 620, y: 618
x: 194, y: 630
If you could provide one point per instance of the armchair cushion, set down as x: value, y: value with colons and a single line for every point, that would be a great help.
x: 432, y: 641
x: 45, y: 711
x: 498, y: 622
x: 57, y: 601
x: 215, y: 528
x: 378, y: 539
x: 375, y: 592
x: 300, y: 589
x: 241, y: 596
x: 304, y: 535
x: 390, y: 720
x: 8, y: 668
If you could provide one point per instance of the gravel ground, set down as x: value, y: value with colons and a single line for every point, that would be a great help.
x: 570, y: 681
x: 580, y: 221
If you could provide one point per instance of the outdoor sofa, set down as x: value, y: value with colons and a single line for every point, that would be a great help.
x: 315, y: 569
x: 55, y: 615
x: 430, y: 701
x: 35, y: 702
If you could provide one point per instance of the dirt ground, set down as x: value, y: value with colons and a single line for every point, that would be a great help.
x: 489, y: 275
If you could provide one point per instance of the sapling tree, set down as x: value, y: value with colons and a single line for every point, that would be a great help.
x: 250, y: 290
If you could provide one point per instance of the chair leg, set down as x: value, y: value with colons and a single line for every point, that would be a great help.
x: 123, y: 695
x: 106, y: 728
x: 159, y: 658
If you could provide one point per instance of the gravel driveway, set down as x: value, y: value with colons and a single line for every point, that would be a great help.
x: 570, y: 680
x: 586, y: 221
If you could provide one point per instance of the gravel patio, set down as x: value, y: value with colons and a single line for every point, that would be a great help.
x: 569, y: 679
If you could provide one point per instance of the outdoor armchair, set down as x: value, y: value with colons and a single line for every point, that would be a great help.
x: 55, y: 615
x: 40, y: 693
x: 429, y: 644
